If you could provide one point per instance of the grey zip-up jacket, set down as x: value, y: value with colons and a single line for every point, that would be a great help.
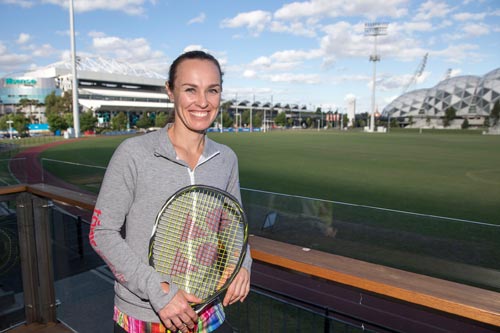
x: 142, y: 174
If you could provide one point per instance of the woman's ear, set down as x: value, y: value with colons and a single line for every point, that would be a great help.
x: 169, y: 91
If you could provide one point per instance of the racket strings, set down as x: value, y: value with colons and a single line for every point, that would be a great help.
x: 199, y: 241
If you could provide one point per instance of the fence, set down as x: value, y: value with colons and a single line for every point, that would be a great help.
x: 459, y: 250
x: 83, y: 285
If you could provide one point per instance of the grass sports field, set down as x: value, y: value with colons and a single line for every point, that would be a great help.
x: 442, y: 173
x: 450, y: 174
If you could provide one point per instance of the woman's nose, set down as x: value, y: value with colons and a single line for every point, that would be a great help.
x: 202, y: 100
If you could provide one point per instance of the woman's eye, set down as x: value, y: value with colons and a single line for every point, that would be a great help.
x: 190, y: 90
x: 214, y: 91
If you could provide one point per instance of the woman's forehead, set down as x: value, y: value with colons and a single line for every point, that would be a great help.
x: 200, y: 67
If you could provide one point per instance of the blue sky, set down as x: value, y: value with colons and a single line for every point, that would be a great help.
x: 312, y: 53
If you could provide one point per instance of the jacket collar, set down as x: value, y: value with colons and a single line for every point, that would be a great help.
x: 165, y: 148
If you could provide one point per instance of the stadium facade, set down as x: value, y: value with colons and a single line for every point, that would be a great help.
x: 105, y: 87
x: 472, y: 97
x: 108, y: 87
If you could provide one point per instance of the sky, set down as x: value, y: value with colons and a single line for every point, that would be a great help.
x: 313, y: 53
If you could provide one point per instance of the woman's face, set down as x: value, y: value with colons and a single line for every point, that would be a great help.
x: 196, y: 93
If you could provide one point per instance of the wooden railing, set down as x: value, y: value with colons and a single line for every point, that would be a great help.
x: 465, y: 301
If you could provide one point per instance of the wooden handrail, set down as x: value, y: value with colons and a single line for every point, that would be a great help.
x: 458, y: 299
x: 465, y: 301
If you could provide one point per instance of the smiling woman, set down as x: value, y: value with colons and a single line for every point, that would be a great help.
x: 143, y: 172
x: 195, y: 87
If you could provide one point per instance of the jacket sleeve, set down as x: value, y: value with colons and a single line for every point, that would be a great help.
x: 234, y: 189
x: 111, y: 209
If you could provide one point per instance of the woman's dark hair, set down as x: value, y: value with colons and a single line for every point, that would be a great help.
x: 200, y: 55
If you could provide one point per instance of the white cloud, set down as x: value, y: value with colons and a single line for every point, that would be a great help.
x: 433, y: 9
x: 296, y: 55
x: 458, y: 53
x: 294, y: 28
x: 294, y: 78
x: 349, y: 97
x: 135, y: 51
x: 469, y: 16
x: 249, y: 73
x: 44, y: 50
x: 327, y: 8
x: 11, y: 61
x: 255, y: 21
x: 23, y: 38
x: 455, y: 72
x: 220, y: 56
x: 411, y: 27
x: 21, y: 3
x: 475, y: 29
x: 198, y: 19
x: 130, y: 7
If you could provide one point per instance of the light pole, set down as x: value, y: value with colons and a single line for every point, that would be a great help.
x: 221, y: 120
x: 10, y: 127
x: 374, y: 29
x: 76, y: 109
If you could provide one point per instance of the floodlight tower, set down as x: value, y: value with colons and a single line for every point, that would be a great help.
x: 374, y: 29
x: 76, y: 109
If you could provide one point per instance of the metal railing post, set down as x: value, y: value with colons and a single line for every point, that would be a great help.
x: 36, y: 258
x: 42, y: 214
x: 28, y: 257
x: 79, y: 235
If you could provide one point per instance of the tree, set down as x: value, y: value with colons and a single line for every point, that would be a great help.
x: 257, y: 120
x: 345, y: 120
x: 486, y: 122
x: 58, y: 111
x: 280, y: 119
x: 87, y: 121
x: 119, y: 122
x: 56, y: 122
x: 245, y: 117
x: 20, y: 124
x: 58, y: 104
x: 465, y: 124
x: 28, y: 103
x: 449, y: 115
x: 495, y: 113
x: 394, y: 122
x: 227, y: 121
x: 161, y: 119
x: 144, y: 121
x: 3, y: 122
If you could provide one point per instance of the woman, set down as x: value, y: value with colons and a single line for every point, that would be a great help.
x: 143, y: 172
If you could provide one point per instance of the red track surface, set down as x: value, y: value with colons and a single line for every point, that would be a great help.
x: 27, y: 168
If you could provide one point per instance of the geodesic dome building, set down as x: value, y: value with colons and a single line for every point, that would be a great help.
x: 408, y: 104
x: 471, y: 96
x: 457, y: 92
x: 488, y: 92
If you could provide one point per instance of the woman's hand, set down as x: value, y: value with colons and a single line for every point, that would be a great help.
x: 238, y: 289
x: 178, y: 315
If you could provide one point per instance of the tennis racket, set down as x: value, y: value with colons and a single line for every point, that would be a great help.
x: 200, y: 239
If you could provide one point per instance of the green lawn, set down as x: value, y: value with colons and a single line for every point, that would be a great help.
x: 442, y: 173
x: 449, y: 175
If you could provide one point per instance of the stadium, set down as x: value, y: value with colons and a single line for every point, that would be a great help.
x: 108, y: 87
x: 472, y: 97
x: 104, y: 86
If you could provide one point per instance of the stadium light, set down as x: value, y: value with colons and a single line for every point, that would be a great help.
x: 10, y: 128
x: 374, y: 29
x: 76, y: 109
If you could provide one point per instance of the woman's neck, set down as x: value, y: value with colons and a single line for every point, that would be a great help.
x: 188, y: 144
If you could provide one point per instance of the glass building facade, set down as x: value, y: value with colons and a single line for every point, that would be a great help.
x: 13, y: 89
x: 471, y: 97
